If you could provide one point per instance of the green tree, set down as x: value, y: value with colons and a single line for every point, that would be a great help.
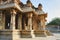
x: 55, y: 21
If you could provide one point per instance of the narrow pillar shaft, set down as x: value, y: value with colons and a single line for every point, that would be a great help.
x: 1, y: 24
x: 43, y: 22
x: 30, y: 21
x: 35, y: 23
x: 3, y: 21
x: 13, y: 20
x: 20, y: 22
x: 39, y: 24
x: 24, y: 24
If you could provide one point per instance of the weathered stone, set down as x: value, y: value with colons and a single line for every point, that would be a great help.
x: 18, y: 22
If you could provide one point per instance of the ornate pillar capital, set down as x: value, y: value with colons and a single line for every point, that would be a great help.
x: 30, y: 15
x: 13, y: 11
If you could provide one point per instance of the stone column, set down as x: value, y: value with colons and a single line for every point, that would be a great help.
x: 44, y: 26
x: 42, y: 22
x: 39, y: 25
x: 15, y: 33
x: 20, y: 21
x: 3, y: 19
x: 30, y: 21
x: 24, y: 24
x: 13, y: 14
x: 1, y: 24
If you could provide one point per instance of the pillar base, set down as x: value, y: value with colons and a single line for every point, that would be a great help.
x: 9, y: 34
x: 41, y: 33
x: 25, y: 34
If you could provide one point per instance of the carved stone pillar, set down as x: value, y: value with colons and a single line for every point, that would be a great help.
x: 20, y: 21
x: 3, y: 19
x: 24, y: 24
x: 42, y: 22
x: 1, y: 24
x: 30, y: 21
x: 13, y: 14
x: 44, y: 27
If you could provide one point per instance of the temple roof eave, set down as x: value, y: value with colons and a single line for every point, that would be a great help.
x: 32, y: 11
x: 28, y: 10
x: 11, y: 5
x: 45, y: 15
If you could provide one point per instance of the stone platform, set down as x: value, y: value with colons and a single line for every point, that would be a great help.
x: 25, y: 34
x: 5, y: 35
x: 40, y: 38
x: 22, y: 35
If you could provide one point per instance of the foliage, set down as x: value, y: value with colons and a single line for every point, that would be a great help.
x: 55, y: 21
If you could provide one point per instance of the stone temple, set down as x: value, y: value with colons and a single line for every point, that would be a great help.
x: 18, y: 20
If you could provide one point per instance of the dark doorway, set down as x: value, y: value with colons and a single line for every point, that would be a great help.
x: 7, y: 20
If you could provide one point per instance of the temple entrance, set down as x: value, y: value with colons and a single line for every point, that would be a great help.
x: 7, y: 20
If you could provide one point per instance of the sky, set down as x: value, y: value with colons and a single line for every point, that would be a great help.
x: 52, y: 7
